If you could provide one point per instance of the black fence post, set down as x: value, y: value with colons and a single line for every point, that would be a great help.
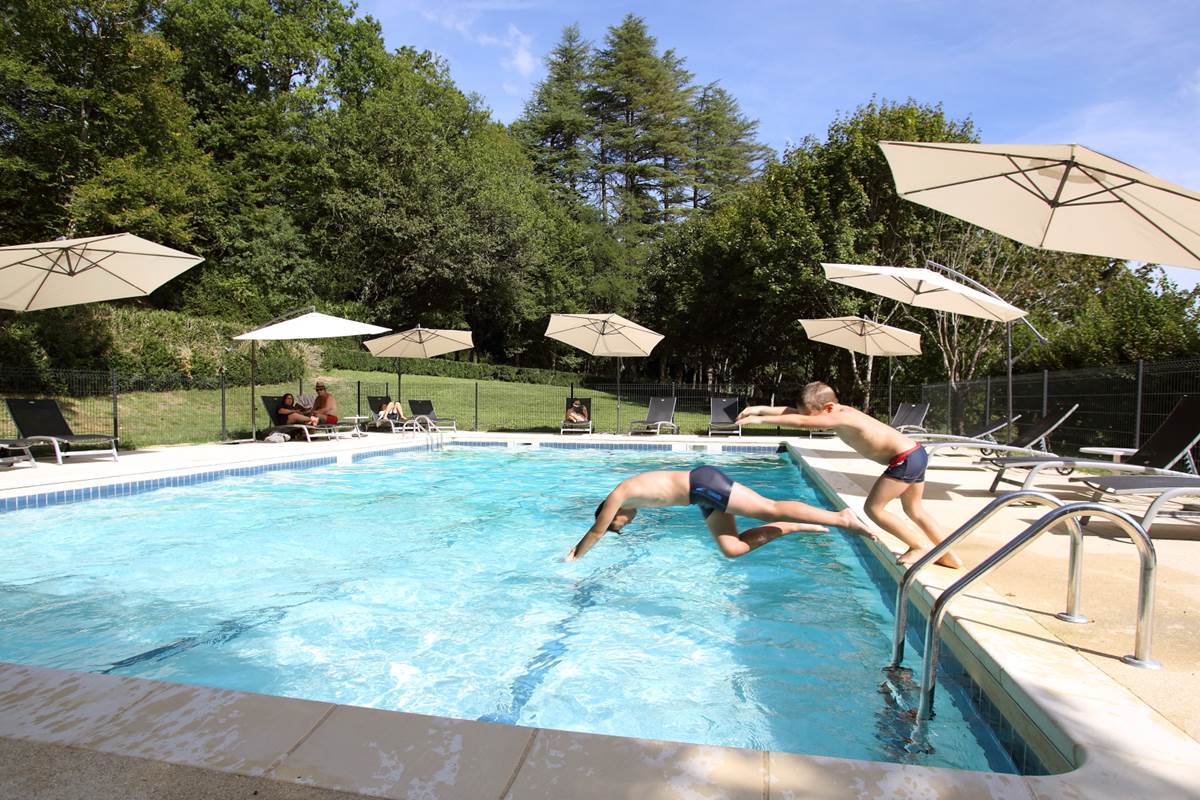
x: 987, y: 399
x: 1137, y: 406
x: 1045, y: 391
x: 224, y: 430
x: 112, y: 375
x: 358, y: 402
x: 476, y: 428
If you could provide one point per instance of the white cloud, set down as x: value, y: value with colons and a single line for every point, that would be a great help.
x: 520, y: 55
x: 462, y: 17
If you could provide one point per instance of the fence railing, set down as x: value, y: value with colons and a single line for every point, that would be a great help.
x: 1119, y: 406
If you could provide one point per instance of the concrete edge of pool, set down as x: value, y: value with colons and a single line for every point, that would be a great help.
x: 1069, y: 711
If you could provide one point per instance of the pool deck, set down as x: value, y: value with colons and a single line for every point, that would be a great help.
x: 1120, y: 731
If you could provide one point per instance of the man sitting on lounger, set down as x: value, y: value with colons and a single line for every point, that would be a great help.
x: 289, y: 413
x: 719, y: 499
x: 325, y: 407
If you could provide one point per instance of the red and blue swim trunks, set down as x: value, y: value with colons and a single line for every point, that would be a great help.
x: 908, y: 466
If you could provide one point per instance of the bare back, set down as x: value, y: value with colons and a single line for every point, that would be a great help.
x: 868, y: 436
x: 654, y: 489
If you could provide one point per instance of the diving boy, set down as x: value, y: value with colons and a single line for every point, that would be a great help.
x: 719, y: 499
x: 905, y: 459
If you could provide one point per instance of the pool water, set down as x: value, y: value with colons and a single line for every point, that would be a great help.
x: 435, y: 583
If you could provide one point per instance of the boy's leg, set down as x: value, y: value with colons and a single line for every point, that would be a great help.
x: 723, y: 528
x: 883, y: 492
x: 746, y: 502
x: 914, y: 509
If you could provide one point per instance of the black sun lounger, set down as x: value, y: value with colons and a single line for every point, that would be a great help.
x: 660, y: 415
x: 1167, y: 446
x: 42, y: 422
x: 722, y: 416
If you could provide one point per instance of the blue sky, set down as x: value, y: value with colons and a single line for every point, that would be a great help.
x: 1119, y: 77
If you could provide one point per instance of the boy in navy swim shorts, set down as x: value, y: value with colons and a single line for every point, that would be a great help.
x: 719, y: 499
x: 905, y: 459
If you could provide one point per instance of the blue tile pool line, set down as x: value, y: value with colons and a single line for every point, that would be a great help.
x: 63, y: 496
x: 666, y: 448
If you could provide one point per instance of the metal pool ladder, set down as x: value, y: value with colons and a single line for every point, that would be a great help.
x: 423, y: 424
x: 1066, y: 513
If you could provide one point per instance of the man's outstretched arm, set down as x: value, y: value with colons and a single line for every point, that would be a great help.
x: 608, y: 512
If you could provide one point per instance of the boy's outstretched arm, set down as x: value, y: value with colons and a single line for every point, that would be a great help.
x: 787, y: 417
x: 608, y: 512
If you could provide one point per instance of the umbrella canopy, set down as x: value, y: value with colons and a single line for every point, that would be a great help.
x: 924, y: 288
x: 603, y: 334
x: 419, y: 342
x: 72, y: 271
x: 312, y: 325
x: 863, y: 336
x: 1054, y: 196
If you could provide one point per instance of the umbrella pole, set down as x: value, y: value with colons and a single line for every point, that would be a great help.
x: 1009, y: 361
x: 253, y: 416
x: 618, y: 394
x: 891, y: 372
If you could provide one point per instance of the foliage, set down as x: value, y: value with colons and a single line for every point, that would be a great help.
x: 340, y: 356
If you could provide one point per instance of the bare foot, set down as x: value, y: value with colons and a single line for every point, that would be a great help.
x: 915, y: 554
x: 851, y: 522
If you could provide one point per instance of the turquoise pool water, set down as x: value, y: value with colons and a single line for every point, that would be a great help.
x: 434, y: 583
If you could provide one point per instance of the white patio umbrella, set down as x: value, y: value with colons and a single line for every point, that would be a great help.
x: 863, y: 336
x: 72, y: 271
x: 866, y: 337
x: 604, y: 335
x: 1054, y: 196
x: 924, y: 288
x: 418, y: 342
x: 306, y: 323
x: 928, y: 289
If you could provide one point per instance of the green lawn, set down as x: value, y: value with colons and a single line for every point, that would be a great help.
x: 189, y: 416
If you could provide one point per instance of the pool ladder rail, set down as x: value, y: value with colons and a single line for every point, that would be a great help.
x: 423, y: 424
x: 1067, y: 514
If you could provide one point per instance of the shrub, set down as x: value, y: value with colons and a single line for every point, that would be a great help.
x: 338, y: 355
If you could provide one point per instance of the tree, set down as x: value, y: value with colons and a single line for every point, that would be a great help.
x: 555, y: 126
x: 95, y: 135
x: 726, y: 154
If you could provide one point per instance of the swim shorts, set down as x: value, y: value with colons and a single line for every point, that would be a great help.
x: 709, y: 488
x: 909, y: 466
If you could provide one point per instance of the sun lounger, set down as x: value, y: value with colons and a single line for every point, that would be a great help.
x: 1030, y: 441
x: 376, y: 404
x: 1163, y: 488
x: 722, y: 417
x: 424, y: 408
x: 659, y: 416
x: 14, y: 451
x: 577, y: 406
x: 1166, y: 447
x: 309, y: 432
x: 986, y: 432
x: 910, y: 417
x: 42, y: 422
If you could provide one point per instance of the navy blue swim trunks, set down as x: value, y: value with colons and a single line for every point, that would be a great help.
x: 709, y: 488
x: 909, y: 466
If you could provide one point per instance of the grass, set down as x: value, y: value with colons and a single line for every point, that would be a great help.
x: 190, y: 416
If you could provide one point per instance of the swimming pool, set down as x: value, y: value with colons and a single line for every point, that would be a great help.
x: 433, y: 583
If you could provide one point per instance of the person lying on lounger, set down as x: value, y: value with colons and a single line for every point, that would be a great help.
x: 392, y: 410
x: 719, y: 499
x: 291, y: 414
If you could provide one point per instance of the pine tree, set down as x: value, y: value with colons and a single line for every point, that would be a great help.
x: 555, y: 126
x: 723, y: 140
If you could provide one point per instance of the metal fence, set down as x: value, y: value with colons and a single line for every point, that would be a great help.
x: 1119, y: 406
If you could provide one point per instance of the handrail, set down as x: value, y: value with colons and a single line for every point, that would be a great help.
x: 1145, y: 610
x: 423, y: 424
x: 1074, y: 582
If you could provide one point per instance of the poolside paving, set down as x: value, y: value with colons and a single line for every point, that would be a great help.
x: 1132, y: 731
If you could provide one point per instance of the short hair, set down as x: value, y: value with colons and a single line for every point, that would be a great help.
x: 320, y: 386
x: 817, y: 394
x: 596, y: 515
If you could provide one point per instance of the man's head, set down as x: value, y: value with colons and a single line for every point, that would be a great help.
x: 624, y: 517
x: 817, y: 398
x: 320, y: 387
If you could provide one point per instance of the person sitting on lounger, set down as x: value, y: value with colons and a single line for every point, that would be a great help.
x: 289, y: 413
x: 325, y: 407
x: 577, y: 411
x: 719, y: 499
x: 392, y: 410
